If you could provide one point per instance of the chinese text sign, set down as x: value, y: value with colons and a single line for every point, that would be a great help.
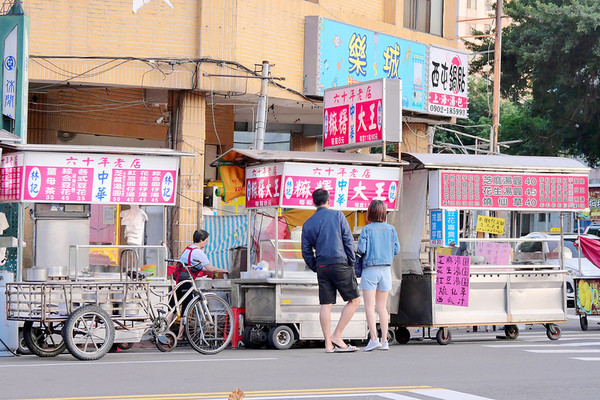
x: 448, y: 82
x: 444, y: 227
x: 513, y: 191
x: 98, y: 178
x: 452, y: 280
x: 345, y: 54
x: 494, y: 253
x: 263, y: 185
x: 490, y: 225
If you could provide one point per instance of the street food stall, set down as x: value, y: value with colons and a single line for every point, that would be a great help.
x: 468, y: 270
x: 77, y: 209
x: 278, y: 293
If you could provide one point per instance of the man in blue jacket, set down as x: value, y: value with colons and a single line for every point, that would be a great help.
x: 328, y: 249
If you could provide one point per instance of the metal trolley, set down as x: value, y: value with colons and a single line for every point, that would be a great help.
x: 87, y: 318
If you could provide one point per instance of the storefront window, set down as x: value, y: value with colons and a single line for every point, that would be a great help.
x: 424, y: 15
x: 273, y: 140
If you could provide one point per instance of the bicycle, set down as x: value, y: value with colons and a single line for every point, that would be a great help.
x: 207, y: 319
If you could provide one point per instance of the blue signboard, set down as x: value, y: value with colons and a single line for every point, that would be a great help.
x: 444, y: 227
x: 338, y: 54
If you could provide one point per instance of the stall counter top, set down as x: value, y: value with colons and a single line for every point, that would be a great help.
x: 283, y: 281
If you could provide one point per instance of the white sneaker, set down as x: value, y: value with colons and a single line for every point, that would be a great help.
x: 384, y: 345
x: 372, y: 345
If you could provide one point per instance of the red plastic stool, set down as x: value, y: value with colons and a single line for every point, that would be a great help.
x: 238, y: 326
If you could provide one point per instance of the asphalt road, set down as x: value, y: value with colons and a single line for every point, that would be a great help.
x: 475, y: 365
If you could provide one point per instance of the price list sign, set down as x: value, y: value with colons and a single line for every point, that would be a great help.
x: 502, y: 191
x: 452, y: 280
x: 11, y: 177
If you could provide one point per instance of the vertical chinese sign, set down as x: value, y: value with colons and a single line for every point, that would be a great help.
x: 452, y: 280
x: 448, y: 82
x: 90, y: 178
x: 362, y: 115
x: 14, y: 47
x: 292, y: 184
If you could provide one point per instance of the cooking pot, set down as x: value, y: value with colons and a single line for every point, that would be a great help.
x: 35, y: 274
x: 58, y: 272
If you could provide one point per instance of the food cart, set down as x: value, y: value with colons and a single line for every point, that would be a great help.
x: 49, y: 195
x: 278, y: 292
x: 455, y: 194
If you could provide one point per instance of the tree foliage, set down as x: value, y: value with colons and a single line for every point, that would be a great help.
x: 551, y: 71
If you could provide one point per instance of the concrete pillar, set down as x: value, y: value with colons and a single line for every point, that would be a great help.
x: 191, y: 139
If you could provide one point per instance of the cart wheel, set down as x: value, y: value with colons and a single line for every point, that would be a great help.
x: 43, y: 338
x: 553, y: 331
x: 166, y: 342
x: 89, y: 333
x: 208, y: 326
x: 583, y: 322
x: 125, y: 346
x: 254, y: 337
x: 281, y: 337
x: 443, y: 336
x: 511, y: 331
x: 160, y: 325
x: 402, y: 335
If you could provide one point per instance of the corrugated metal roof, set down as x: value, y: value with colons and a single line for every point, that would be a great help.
x: 493, y: 162
x: 247, y: 156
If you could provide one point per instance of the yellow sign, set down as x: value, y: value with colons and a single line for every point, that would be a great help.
x: 490, y: 225
x: 554, y: 230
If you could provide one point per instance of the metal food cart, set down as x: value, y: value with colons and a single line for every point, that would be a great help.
x: 281, y: 302
x: 504, y: 289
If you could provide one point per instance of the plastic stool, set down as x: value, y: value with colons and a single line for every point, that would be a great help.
x: 238, y: 326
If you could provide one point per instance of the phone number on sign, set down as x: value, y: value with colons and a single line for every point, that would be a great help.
x: 445, y: 110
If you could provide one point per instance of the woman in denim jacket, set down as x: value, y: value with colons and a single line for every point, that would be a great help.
x: 378, y: 243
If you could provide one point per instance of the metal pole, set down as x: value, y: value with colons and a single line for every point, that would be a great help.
x: 497, y: 59
x: 261, y: 114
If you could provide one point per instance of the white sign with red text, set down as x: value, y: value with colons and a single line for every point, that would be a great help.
x: 448, y: 82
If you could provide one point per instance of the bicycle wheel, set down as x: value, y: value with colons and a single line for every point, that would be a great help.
x: 44, y: 338
x: 208, y: 328
x: 89, y: 333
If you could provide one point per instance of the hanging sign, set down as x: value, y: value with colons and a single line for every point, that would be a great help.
x: 448, y: 82
x: 444, y: 228
x: 9, y: 75
x: 362, y: 115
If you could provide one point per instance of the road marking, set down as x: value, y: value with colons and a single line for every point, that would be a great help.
x: 371, y: 392
x: 558, y: 351
x: 544, y: 345
x: 446, y: 394
x: 585, y: 358
x: 81, y: 364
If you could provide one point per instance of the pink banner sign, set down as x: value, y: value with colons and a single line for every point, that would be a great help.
x: 353, y: 115
x: 91, y: 178
x: 298, y: 189
x: 494, y: 253
x: 11, y: 177
x: 263, y: 192
x: 513, y: 191
x: 452, y: 280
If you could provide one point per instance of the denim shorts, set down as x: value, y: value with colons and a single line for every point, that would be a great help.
x: 376, y: 277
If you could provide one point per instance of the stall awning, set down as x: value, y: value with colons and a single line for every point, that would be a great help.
x: 146, y: 151
x: 499, y: 162
x: 244, y: 157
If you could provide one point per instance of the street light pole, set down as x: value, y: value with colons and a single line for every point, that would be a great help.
x: 496, y: 93
x: 261, y: 114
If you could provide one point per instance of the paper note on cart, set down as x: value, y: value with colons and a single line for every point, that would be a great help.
x: 452, y: 280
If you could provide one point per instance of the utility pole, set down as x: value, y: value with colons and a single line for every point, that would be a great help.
x: 261, y: 114
x: 496, y: 92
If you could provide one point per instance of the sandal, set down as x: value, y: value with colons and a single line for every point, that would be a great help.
x: 348, y: 349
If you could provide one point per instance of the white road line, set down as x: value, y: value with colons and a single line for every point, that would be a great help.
x: 394, y: 396
x: 544, y: 345
x: 571, y: 351
x: 446, y: 394
x: 81, y: 363
x: 585, y: 358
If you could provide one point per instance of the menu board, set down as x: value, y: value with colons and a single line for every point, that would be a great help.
x: 48, y: 177
x: 505, y: 191
x: 452, y: 280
